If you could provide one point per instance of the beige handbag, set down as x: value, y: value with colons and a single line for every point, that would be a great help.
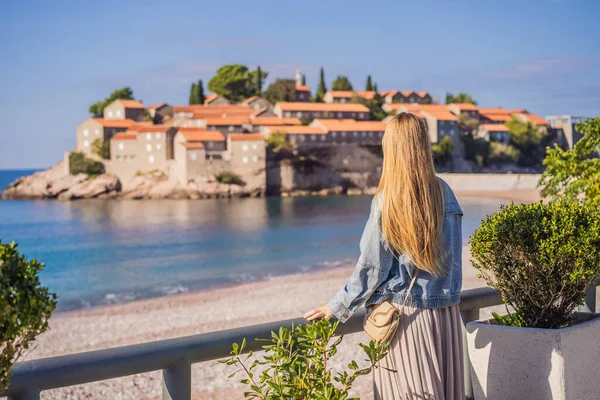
x: 384, y: 319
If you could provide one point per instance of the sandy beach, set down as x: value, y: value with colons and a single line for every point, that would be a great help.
x: 193, y: 313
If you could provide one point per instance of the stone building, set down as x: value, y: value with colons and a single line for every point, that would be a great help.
x: 566, y: 127
x: 101, y: 129
x: 345, y: 96
x: 494, y: 133
x: 125, y: 109
x: 160, y: 113
x: 467, y: 109
x: 215, y: 100
x: 321, y: 110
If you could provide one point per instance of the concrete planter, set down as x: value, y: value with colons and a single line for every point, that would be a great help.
x: 535, y: 364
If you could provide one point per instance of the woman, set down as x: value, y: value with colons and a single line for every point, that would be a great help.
x: 414, y: 228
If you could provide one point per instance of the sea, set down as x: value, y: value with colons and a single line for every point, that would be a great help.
x: 99, y: 252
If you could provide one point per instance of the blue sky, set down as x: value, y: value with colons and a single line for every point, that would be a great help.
x: 58, y: 57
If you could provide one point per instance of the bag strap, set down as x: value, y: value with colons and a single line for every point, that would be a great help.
x: 412, y: 282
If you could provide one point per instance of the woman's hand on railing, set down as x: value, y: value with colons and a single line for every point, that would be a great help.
x: 318, y: 313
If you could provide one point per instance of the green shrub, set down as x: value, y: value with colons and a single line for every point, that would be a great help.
x: 541, y: 258
x: 575, y: 174
x: 278, y: 142
x: 101, y: 148
x: 476, y: 149
x: 25, y: 307
x: 80, y: 164
x: 501, y: 153
x: 229, y: 178
x: 296, y: 365
x: 442, y: 151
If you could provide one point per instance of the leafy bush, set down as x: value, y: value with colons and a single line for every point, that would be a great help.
x: 101, y: 148
x: 277, y: 142
x: 80, y: 164
x: 442, y: 151
x: 575, y: 174
x: 297, y: 365
x: 529, y: 139
x: 503, y: 153
x: 541, y: 258
x: 476, y: 149
x: 229, y: 178
x: 25, y: 307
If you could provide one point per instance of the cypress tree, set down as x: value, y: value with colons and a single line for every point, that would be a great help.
x: 303, y: 80
x: 200, y: 92
x: 322, y: 87
x: 369, y: 85
x: 259, y: 81
x: 193, y: 92
x: 375, y: 88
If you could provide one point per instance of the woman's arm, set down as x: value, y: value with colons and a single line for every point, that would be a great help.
x: 372, y: 269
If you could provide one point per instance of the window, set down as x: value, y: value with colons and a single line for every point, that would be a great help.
x: 254, y: 146
x: 301, y: 138
x: 364, y: 134
x: 339, y: 115
x: 299, y: 114
x: 231, y: 128
x: 85, y: 132
x: 193, y: 156
x: 452, y: 132
x: 245, y: 160
x: 158, y: 135
x: 151, y: 159
x: 148, y: 136
x: 118, y: 113
x: 355, y: 134
x: 442, y: 132
x: 371, y: 134
x: 380, y: 134
x: 110, y: 113
x: 86, y: 143
x: 121, y: 146
x: 255, y: 158
x: 158, y: 146
x: 288, y: 114
x: 333, y: 134
x: 245, y: 147
x: 323, y: 137
x: 313, y: 137
x: 148, y: 147
x: 97, y: 132
x: 343, y: 134
x: 210, y: 145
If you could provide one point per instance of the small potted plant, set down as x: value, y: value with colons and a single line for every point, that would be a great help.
x: 541, y: 258
x: 296, y: 365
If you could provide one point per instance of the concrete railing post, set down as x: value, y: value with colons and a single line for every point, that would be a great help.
x: 589, y: 304
x: 467, y: 316
x: 177, y: 381
x: 27, y: 394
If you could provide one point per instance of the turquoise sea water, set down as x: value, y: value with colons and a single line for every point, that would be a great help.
x: 101, y: 252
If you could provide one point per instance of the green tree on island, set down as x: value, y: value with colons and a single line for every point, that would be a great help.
x: 97, y: 109
x: 527, y: 138
x: 259, y: 81
x: 369, y: 85
x: 200, y: 92
x: 575, y: 174
x: 281, y: 90
x: 235, y: 82
x: 461, y: 97
x: 341, y: 83
x: 255, y: 81
x: 322, y: 88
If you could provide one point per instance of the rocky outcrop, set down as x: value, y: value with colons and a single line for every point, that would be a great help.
x: 141, y: 186
x: 44, y: 184
x: 104, y: 186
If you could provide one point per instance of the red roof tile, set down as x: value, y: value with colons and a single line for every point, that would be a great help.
x: 275, y: 121
x: 246, y: 136
x: 465, y: 106
x: 125, y: 136
x: 297, y: 130
x: 114, y: 123
x: 130, y: 103
x: 201, y: 135
x: 227, y: 121
x: 351, y: 125
x: 155, y: 106
x: 193, y: 145
x: 494, y: 127
x: 323, y: 107
x: 302, y: 88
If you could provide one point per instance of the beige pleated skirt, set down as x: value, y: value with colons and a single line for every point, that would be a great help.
x: 426, y: 354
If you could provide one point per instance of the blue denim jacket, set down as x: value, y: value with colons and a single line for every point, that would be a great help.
x: 382, y: 275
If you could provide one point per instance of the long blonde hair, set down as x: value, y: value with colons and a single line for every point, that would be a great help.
x: 409, y: 194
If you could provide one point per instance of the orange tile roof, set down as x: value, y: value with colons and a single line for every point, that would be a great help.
x: 201, y: 135
x: 227, y: 121
x: 323, y: 107
x: 302, y: 88
x: 407, y: 93
x: 422, y: 94
x: 154, y: 106
x: 501, y: 117
x: 351, y: 125
x: 536, y: 119
x: 494, y: 127
x: 192, y: 145
x: 442, y: 114
x: 498, y: 110
x: 388, y: 93
x: 222, y: 114
x: 275, y: 121
x: 395, y: 106
x: 149, y: 128
x: 246, y: 136
x: 114, y: 123
x: 131, y: 103
x: 348, y: 94
x: 125, y: 136
x: 297, y: 130
x: 209, y: 98
x: 465, y: 106
x: 248, y: 101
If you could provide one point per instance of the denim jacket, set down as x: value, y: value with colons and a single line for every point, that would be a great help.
x: 382, y: 275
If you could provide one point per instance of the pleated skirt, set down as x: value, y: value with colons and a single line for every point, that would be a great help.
x: 425, y: 356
